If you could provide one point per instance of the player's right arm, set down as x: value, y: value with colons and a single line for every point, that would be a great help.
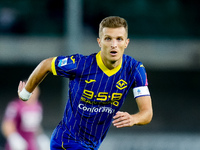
x: 39, y: 73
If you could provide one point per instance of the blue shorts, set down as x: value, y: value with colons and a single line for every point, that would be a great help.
x: 57, y: 143
x: 67, y: 146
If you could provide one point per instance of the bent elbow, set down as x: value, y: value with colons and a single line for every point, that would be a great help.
x: 149, y: 118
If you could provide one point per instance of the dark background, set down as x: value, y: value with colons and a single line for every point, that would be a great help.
x: 146, y: 18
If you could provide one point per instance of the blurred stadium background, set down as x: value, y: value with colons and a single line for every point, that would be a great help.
x: 164, y: 35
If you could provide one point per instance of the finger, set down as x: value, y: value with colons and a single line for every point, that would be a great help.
x: 119, y: 118
x: 122, y: 123
x: 23, y: 85
x: 19, y: 86
x: 118, y: 114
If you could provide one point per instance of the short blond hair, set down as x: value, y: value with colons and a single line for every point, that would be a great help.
x: 113, y: 22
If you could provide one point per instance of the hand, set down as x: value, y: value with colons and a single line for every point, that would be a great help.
x: 21, y: 86
x: 122, y: 119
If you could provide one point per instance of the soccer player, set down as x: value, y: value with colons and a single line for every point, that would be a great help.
x: 22, y: 125
x: 98, y: 85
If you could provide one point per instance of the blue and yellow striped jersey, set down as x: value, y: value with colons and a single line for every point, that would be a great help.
x: 95, y: 94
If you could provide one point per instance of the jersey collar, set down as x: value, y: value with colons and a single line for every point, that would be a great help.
x: 107, y: 71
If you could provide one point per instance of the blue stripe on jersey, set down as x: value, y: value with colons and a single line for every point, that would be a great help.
x: 95, y: 95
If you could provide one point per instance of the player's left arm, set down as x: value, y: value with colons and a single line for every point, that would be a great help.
x: 144, y: 116
x: 143, y: 100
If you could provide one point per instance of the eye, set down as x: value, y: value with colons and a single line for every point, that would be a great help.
x: 120, y: 39
x: 107, y: 38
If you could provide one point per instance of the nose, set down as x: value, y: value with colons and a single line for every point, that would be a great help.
x: 114, y: 44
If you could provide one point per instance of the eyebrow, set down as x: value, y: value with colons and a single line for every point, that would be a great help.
x: 116, y: 36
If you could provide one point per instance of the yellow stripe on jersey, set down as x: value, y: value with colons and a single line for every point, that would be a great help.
x: 107, y: 71
x: 53, y: 68
x: 62, y: 146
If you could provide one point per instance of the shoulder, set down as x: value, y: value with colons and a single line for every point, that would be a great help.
x: 71, y: 63
x: 12, y: 108
x: 14, y: 103
x: 75, y: 57
x: 81, y: 56
x: 128, y: 60
x: 132, y: 64
x: 81, y: 59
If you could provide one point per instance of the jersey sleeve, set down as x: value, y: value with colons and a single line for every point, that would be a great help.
x: 140, y: 87
x: 64, y: 65
x: 140, y: 76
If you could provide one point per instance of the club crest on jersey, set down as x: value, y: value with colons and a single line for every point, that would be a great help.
x: 63, y: 62
x: 121, y: 84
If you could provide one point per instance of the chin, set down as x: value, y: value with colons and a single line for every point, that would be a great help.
x: 113, y: 60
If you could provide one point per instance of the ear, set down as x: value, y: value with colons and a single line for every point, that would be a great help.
x: 127, y: 42
x: 99, y: 41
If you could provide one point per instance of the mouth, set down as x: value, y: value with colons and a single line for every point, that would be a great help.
x: 113, y: 53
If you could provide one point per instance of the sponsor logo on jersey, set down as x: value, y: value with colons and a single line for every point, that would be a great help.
x: 90, y: 81
x: 66, y: 61
x: 121, y: 84
x: 62, y: 62
x: 96, y: 109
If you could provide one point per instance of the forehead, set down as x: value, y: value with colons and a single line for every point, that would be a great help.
x: 115, y: 32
